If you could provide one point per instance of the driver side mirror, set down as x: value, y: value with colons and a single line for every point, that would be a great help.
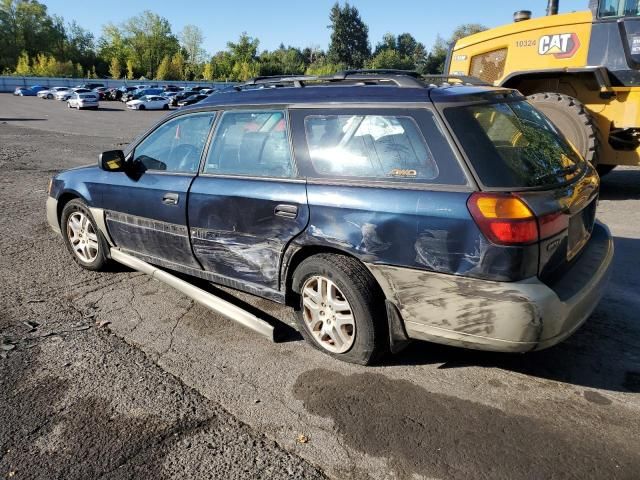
x: 111, y: 161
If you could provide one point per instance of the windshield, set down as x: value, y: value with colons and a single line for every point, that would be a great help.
x: 513, y: 145
x: 619, y: 8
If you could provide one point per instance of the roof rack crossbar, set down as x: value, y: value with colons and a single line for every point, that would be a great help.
x: 401, y: 79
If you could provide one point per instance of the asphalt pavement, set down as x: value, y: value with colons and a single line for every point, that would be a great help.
x: 115, y: 375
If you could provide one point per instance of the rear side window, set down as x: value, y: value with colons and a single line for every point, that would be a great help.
x: 252, y: 143
x: 513, y: 145
x: 380, y: 147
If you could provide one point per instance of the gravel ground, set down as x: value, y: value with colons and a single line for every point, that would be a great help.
x: 124, y: 377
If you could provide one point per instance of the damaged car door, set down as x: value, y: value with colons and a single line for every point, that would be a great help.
x: 248, y: 202
x: 146, y: 205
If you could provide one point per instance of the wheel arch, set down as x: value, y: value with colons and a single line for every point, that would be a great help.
x: 576, y: 79
x: 297, y: 254
x: 64, y: 198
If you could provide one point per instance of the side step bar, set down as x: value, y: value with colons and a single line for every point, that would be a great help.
x: 203, y: 297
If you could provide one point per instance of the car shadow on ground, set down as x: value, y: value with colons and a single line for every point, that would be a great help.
x: 621, y: 184
x: 109, y: 109
x: 18, y: 119
x: 604, y: 353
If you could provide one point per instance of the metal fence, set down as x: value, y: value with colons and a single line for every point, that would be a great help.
x: 10, y: 83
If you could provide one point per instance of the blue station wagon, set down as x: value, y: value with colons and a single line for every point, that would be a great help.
x: 381, y: 205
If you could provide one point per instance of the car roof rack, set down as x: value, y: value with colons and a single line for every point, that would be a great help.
x: 399, y: 78
x: 439, y: 80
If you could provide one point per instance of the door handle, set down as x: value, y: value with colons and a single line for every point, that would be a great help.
x: 286, y: 211
x: 170, y: 198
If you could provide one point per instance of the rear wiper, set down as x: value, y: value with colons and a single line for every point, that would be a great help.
x: 556, y: 173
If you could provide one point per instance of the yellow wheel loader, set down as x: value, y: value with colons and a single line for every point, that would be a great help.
x: 581, y: 69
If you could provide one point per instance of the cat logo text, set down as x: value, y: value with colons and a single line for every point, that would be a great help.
x: 560, y: 45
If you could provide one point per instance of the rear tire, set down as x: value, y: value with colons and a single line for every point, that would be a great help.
x: 341, y: 310
x: 49, y: 96
x: 165, y: 107
x: 573, y: 121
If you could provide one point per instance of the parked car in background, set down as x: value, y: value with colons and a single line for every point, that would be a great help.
x: 24, y: 92
x: 84, y: 100
x: 171, y: 88
x: 37, y: 88
x: 207, y: 91
x: 100, y: 91
x: 192, y: 99
x: 51, y: 92
x: 91, y: 85
x: 65, y: 95
x: 149, y: 102
x: 136, y: 94
x: 181, y: 96
x: 407, y: 210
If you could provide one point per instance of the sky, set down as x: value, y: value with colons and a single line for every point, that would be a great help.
x: 304, y: 23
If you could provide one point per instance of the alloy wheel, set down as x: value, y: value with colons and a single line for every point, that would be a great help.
x: 82, y: 237
x: 328, y: 315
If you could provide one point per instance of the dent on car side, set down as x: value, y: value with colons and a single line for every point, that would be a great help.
x: 447, y: 282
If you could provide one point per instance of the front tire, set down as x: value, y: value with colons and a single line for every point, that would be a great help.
x: 141, y: 107
x: 573, y: 120
x: 82, y: 236
x: 341, y: 310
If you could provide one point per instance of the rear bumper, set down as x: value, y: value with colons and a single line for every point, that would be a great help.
x: 500, y: 316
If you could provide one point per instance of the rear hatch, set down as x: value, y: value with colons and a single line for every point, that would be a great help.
x: 517, y: 154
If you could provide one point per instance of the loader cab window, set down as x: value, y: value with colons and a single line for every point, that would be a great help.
x: 619, y: 8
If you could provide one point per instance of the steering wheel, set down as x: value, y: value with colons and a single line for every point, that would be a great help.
x: 187, y: 157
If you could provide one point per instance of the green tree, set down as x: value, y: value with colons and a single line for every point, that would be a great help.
x: 349, y: 37
x: 23, y: 67
x: 130, y: 71
x: 435, y: 59
x: 392, y: 59
x: 323, y: 67
x: 150, y: 39
x: 115, y: 69
x: 388, y: 43
x: 222, y: 64
x: 465, y: 30
x: 177, y: 71
x: 208, y: 72
x: 191, y: 38
x: 164, y: 69
x: 283, y: 61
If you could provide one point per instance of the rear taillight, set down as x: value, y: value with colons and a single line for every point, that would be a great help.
x: 504, y: 218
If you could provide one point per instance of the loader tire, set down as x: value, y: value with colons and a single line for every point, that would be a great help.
x: 573, y: 120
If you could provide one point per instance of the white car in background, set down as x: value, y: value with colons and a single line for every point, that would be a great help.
x: 84, y: 100
x: 51, y: 92
x: 149, y: 102
x: 65, y: 95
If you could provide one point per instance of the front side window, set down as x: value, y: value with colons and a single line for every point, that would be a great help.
x: 369, y: 146
x: 252, y: 143
x: 176, y: 146
x: 513, y: 145
x: 619, y: 8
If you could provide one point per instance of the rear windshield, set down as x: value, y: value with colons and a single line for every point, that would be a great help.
x: 512, y: 145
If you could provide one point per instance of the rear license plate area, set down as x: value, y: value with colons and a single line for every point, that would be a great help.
x: 580, y: 228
